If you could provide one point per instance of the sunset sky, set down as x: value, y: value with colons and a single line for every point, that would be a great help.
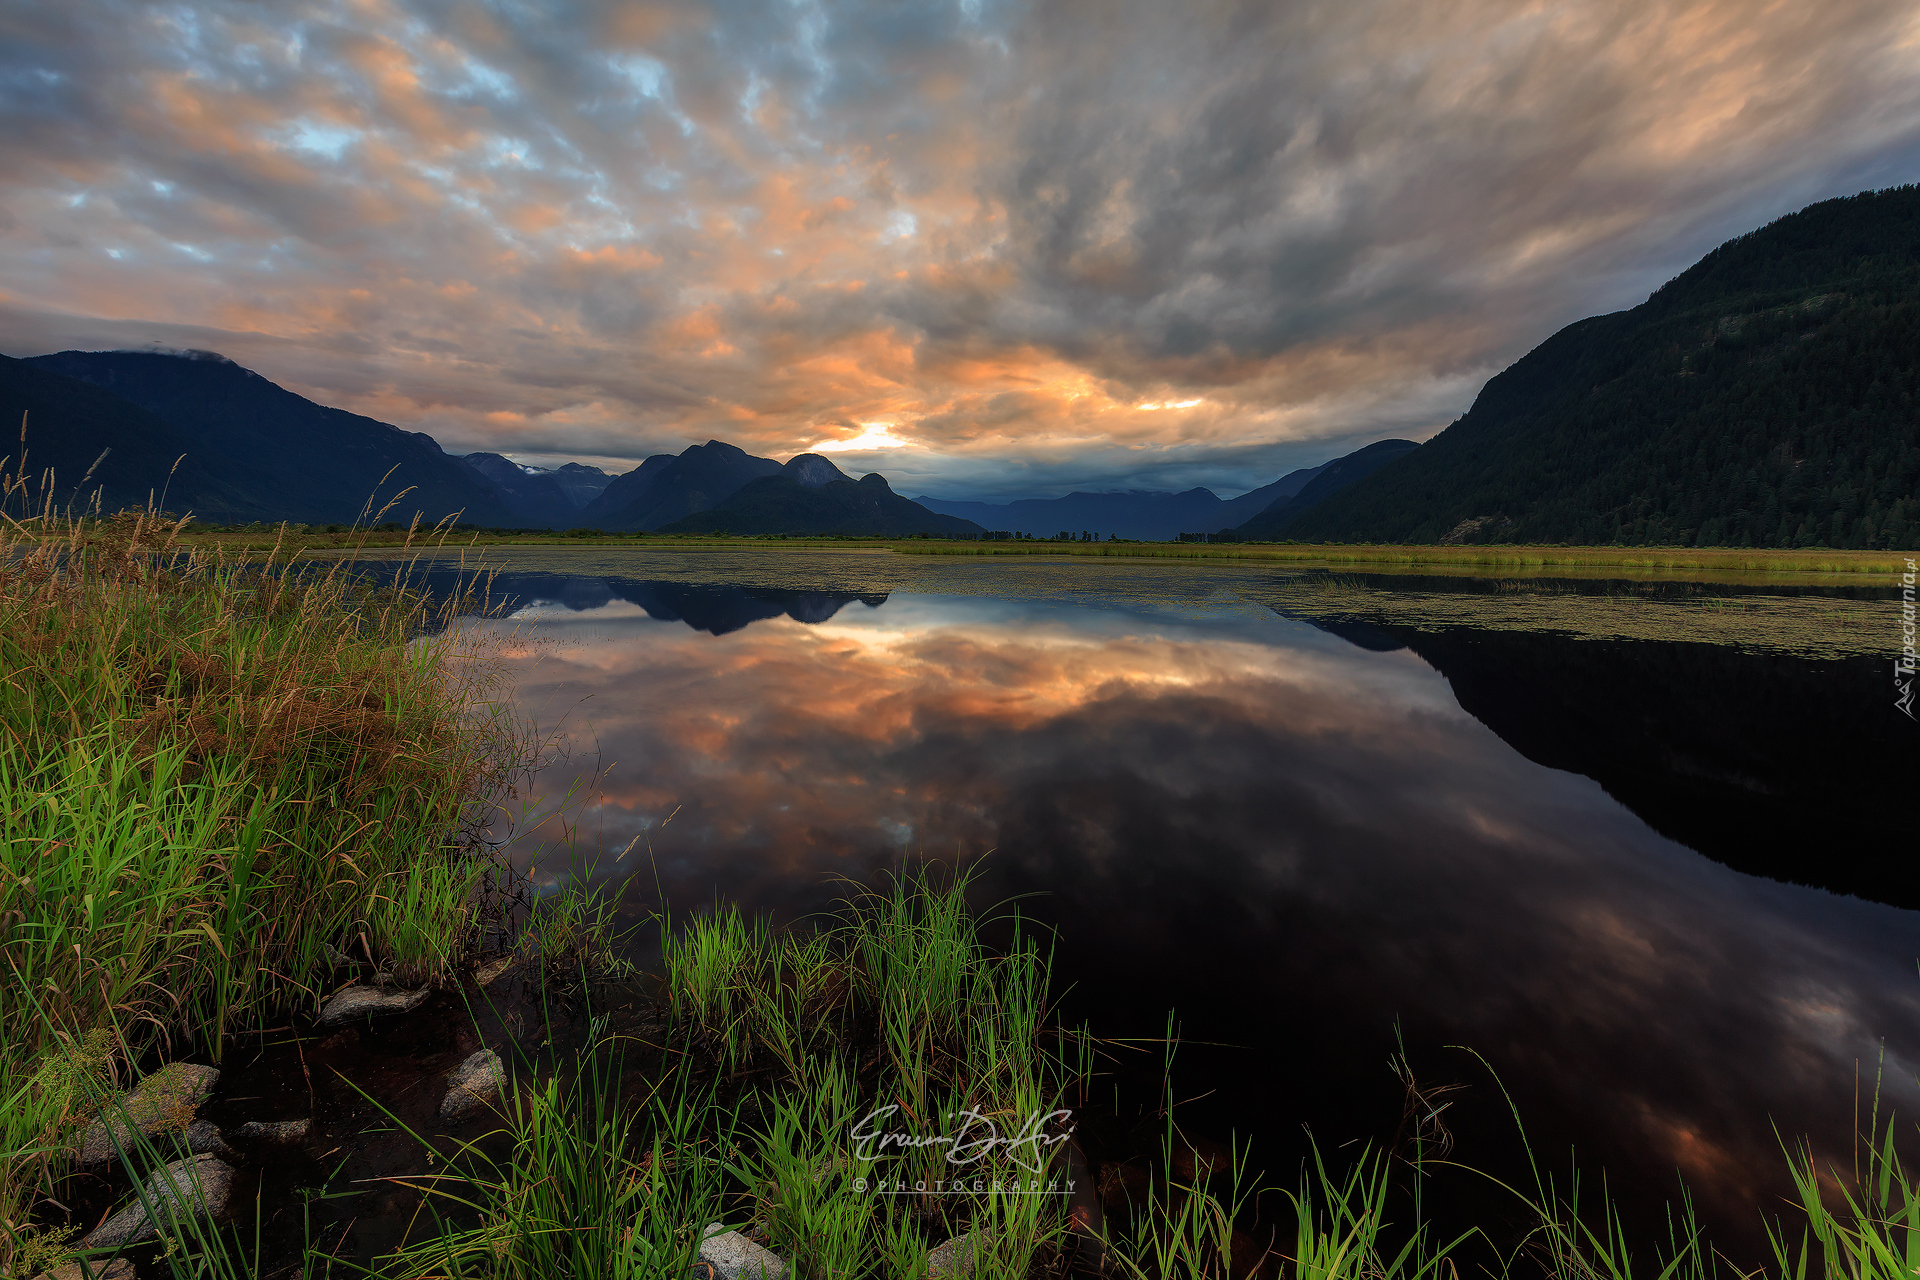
x: 992, y: 250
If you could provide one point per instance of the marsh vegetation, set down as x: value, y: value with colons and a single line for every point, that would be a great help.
x: 221, y: 776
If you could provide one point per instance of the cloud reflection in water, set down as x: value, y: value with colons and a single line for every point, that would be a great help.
x: 1290, y: 839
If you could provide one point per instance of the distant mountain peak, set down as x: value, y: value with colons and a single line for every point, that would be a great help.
x: 812, y: 470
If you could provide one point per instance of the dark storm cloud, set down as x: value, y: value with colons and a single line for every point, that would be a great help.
x: 1070, y: 245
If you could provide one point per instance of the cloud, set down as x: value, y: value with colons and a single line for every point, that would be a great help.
x: 607, y: 230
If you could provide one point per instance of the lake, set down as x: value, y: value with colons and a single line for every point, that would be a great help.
x: 1643, y: 846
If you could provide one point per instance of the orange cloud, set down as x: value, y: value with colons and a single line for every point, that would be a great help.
x: 998, y: 233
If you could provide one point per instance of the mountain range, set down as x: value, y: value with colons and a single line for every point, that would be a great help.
x: 1768, y: 396
x: 193, y: 431
x: 283, y: 455
x: 811, y: 495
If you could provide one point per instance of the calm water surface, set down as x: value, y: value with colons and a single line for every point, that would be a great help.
x: 1300, y: 813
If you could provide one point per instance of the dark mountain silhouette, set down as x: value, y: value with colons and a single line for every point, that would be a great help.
x: 1137, y: 513
x: 1763, y: 397
x: 802, y: 500
x: 534, y: 499
x: 71, y: 422
x: 581, y: 483
x: 810, y: 470
x: 664, y: 489
x: 717, y: 609
x: 1238, y: 510
x: 624, y: 488
x: 315, y: 463
x: 1273, y: 522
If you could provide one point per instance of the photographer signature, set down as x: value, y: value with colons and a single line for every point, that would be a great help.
x: 975, y: 1140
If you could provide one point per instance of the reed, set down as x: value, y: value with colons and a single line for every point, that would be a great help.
x: 595, y: 1182
x: 779, y: 1044
x: 210, y: 772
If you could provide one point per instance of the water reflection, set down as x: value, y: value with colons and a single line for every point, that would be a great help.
x: 1295, y: 835
x: 716, y: 609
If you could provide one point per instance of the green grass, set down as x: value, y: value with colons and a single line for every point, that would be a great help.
x: 778, y: 1044
x: 1715, y: 559
x: 211, y: 769
x: 609, y: 1159
x: 208, y: 772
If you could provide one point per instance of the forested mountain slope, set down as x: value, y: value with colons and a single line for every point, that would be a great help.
x: 1764, y: 397
x: 312, y: 462
x: 128, y: 457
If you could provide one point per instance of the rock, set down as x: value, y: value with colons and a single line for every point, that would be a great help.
x: 165, y: 1100
x: 954, y: 1258
x: 274, y: 1130
x: 734, y: 1257
x: 195, y: 1187
x: 472, y: 1085
x: 337, y: 958
x: 90, y: 1269
x: 486, y: 973
x: 370, y: 1002
x: 205, y: 1139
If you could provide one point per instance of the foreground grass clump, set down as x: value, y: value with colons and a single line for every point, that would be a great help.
x: 209, y: 773
x: 742, y: 1097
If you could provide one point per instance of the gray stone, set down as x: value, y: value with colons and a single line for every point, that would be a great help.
x: 734, y: 1257
x: 274, y: 1130
x: 204, y: 1138
x: 954, y: 1258
x: 473, y: 1085
x: 164, y: 1101
x: 486, y: 973
x: 356, y: 1003
x: 90, y: 1269
x: 192, y: 1188
x: 339, y: 959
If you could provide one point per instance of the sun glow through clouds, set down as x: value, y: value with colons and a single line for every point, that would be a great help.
x: 614, y: 229
x: 876, y: 436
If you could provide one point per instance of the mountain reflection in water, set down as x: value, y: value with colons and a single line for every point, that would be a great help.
x: 1294, y: 836
x: 714, y: 609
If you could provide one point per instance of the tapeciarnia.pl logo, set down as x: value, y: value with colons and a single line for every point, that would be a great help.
x: 1903, y: 666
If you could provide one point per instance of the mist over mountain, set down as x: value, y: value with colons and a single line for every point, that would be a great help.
x: 1765, y: 397
x: 313, y: 463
